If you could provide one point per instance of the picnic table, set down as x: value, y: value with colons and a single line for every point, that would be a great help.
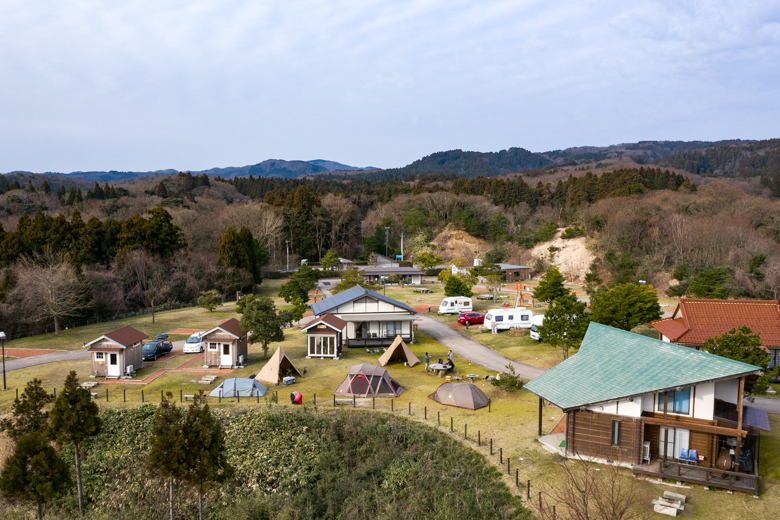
x: 422, y: 290
x: 441, y: 368
x: 472, y: 377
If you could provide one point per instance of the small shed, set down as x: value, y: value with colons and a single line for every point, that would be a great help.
x: 278, y: 366
x: 462, y: 395
x: 226, y: 345
x: 368, y: 381
x: 398, y: 351
x: 117, y: 353
x: 238, y: 386
x: 324, y: 337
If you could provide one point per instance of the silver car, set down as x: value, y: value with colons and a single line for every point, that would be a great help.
x: 194, y: 344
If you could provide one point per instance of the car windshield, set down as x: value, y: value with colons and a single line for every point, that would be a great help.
x: 193, y: 340
x: 151, y: 346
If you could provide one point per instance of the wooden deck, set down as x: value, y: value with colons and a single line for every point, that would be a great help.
x: 745, y: 482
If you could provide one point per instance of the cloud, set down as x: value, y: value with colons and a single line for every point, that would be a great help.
x: 191, y: 85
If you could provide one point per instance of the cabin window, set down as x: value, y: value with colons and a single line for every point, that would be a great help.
x: 681, y: 400
x: 213, y: 346
x: 99, y: 355
x: 615, y: 433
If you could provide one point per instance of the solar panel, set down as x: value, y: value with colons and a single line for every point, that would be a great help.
x: 755, y: 417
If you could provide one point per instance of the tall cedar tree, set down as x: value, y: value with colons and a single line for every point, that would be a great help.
x: 203, y: 445
x: 241, y: 250
x: 165, y: 458
x: 350, y: 279
x: 565, y: 323
x: 550, y: 286
x: 330, y: 262
x: 296, y: 290
x: 27, y: 413
x: 263, y: 323
x: 625, y: 306
x: 741, y: 344
x: 74, y: 419
x: 34, y: 473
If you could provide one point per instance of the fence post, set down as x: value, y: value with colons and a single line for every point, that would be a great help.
x: 334, y: 401
x: 373, y: 402
x: 353, y: 400
x: 466, y: 431
x: 315, y: 399
x: 479, y: 438
x: 142, y: 395
x: 528, y: 492
x: 410, y: 408
x: 392, y: 406
x: 491, y: 446
x: 489, y: 401
x: 501, y: 455
x: 452, y: 425
x: 508, y: 467
x: 106, y: 394
x: 438, y: 418
x: 517, y: 477
x: 220, y: 396
x: 426, y: 413
x: 238, y: 398
x: 181, y: 395
x: 258, y: 397
x: 124, y: 395
x: 161, y: 395
x: 17, y: 393
x: 55, y: 392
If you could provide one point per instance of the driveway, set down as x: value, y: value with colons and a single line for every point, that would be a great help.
x: 765, y: 403
x: 472, y: 350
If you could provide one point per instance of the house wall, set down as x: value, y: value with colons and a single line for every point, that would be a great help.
x: 703, y: 443
x: 365, y: 304
x: 622, y: 407
x: 590, y: 434
x: 727, y: 390
x: 133, y: 356
x: 98, y: 369
x: 213, y: 357
x: 241, y: 349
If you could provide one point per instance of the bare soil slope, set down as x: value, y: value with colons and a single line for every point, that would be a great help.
x: 572, y: 256
x: 457, y: 243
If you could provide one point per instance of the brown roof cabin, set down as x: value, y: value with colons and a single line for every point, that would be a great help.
x: 324, y: 337
x: 226, y: 345
x: 117, y: 353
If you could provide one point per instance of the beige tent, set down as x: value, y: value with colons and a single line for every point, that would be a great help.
x: 278, y: 366
x: 398, y: 351
x: 462, y: 395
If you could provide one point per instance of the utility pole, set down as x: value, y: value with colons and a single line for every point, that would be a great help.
x: 2, y: 339
x: 288, y: 253
x: 362, y: 236
x: 402, y: 246
x: 387, y: 240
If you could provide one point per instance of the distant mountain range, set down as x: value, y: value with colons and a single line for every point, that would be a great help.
x: 731, y: 157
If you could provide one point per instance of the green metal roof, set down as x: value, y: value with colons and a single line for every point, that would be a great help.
x: 614, y: 364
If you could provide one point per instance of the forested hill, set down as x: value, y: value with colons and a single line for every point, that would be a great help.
x: 742, y: 159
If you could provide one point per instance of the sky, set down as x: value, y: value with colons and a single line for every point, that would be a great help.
x: 148, y: 85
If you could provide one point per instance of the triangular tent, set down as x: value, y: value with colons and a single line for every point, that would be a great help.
x: 278, y: 366
x: 240, y: 386
x: 462, y: 395
x: 398, y: 351
x: 368, y: 381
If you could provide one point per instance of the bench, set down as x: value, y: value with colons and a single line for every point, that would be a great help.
x: 94, y: 395
x: 189, y: 397
x: 89, y: 384
x: 342, y: 401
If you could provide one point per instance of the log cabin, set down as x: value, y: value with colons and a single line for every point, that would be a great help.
x: 645, y: 403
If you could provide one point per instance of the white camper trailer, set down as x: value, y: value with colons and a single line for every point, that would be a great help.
x: 455, y: 304
x: 508, y: 318
x: 536, y: 322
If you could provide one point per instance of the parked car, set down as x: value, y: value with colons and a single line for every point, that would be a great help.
x: 165, y: 347
x: 194, y: 344
x: 536, y: 322
x: 162, y: 336
x: 151, y: 350
x: 470, y: 318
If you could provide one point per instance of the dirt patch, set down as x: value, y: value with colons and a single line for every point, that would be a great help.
x: 422, y: 308
x: 456, y: 243
x: 27, y: 352
x: 572, y: 256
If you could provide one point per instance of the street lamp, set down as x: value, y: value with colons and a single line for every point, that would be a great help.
x: 2, y: 340
x: 387, y: 240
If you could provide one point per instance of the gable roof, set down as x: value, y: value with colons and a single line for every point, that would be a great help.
x: 695, y: 320
x: 323, y: 306
x: 615, y: 364
x: 390, y: 270
x: 126, y: 336
x: 504, y: 267
x: 330, y: 320
x: 231, y: 326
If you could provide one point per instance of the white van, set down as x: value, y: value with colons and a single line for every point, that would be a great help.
x: 508, y: 318
x: 455, y: 304
x: 536, y: 322
x: 194, y: 344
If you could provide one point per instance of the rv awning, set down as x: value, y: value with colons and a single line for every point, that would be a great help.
x: 377, y: 317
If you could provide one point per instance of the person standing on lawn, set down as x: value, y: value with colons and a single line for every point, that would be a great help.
x: 427, y: 361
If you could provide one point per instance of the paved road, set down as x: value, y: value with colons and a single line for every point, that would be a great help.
x: 472, y: 350
x: 765, y: 403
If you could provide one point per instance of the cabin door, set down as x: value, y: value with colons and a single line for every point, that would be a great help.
x: 113, y: 364
x: 226, y: 358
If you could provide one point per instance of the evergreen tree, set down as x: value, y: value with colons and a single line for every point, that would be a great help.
x: 210, y: 300
x: 625, y: 306
x: 29, y: 188
x: 161, y: 190
x: 456, y: 286
x: 550, y: 286
x: 741, y: 344
x: 165, y: 458
x: 27, y: 413
x: 79, y: 198
x: 264, y: 324
x: 71, y: 200
x: 15, y: 185
x: 97, y: 192
x: 74, y: 419
x: 330, y: 262
x: 61, y: 192
x: 203, y: 445
x: 350, y: 279
x: 565, y: 323
x: 710, y: 283
x: 45, y: 188
x: 34, y: 473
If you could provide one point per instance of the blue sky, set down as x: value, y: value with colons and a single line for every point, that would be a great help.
x: 140, y: 85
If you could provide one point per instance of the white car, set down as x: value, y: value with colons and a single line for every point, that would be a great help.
x: 194, y: 344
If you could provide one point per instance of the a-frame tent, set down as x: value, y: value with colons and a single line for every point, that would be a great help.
x: 398, y: 351
x: 277, y: 367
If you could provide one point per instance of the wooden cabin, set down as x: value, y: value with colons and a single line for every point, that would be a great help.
x: 324, y: 337
x: 645, y: 403
x: 381, y: 274
x: 373, y: 320
x: 225, y: 345
x: 117, y: 353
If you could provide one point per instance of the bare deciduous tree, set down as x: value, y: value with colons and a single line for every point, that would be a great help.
x: 148, y: 278
x: 49, y: 287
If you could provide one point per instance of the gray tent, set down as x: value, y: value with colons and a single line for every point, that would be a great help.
x: 462, y: 395
x: 238, y: 386
x: 368, y: 381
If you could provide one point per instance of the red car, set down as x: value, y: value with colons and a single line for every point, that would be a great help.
x: 470, y: 318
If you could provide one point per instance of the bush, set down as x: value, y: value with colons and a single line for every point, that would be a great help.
x: 508, y: 380
x: 273, y: 275
x: 573, y: 232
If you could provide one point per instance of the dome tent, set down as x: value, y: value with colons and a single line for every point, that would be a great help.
x: 238, y: 386
x: 368, y: 381
x: 462, y: 395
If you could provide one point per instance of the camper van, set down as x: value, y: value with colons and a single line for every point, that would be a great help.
x: 455, y: 304
x: 508, y: 318
x: 536, y: 322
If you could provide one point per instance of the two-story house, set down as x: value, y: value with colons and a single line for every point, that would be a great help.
x: 647, y: 403
x: 371, y: 318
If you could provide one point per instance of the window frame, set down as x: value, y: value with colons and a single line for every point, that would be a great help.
x: 615, y: 433
x: 213, y: 347
x: 100, y: 356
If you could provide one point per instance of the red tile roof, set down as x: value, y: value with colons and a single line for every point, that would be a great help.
x: 233, y: 327
x: 334, y: 321
x: 695, y: 320
x: 126, y: 336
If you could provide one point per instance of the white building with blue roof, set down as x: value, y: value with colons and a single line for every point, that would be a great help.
x: 371, y: 319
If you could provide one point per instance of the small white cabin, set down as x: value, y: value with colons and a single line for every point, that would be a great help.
x: 509, y: 318
x: 455, y: 304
